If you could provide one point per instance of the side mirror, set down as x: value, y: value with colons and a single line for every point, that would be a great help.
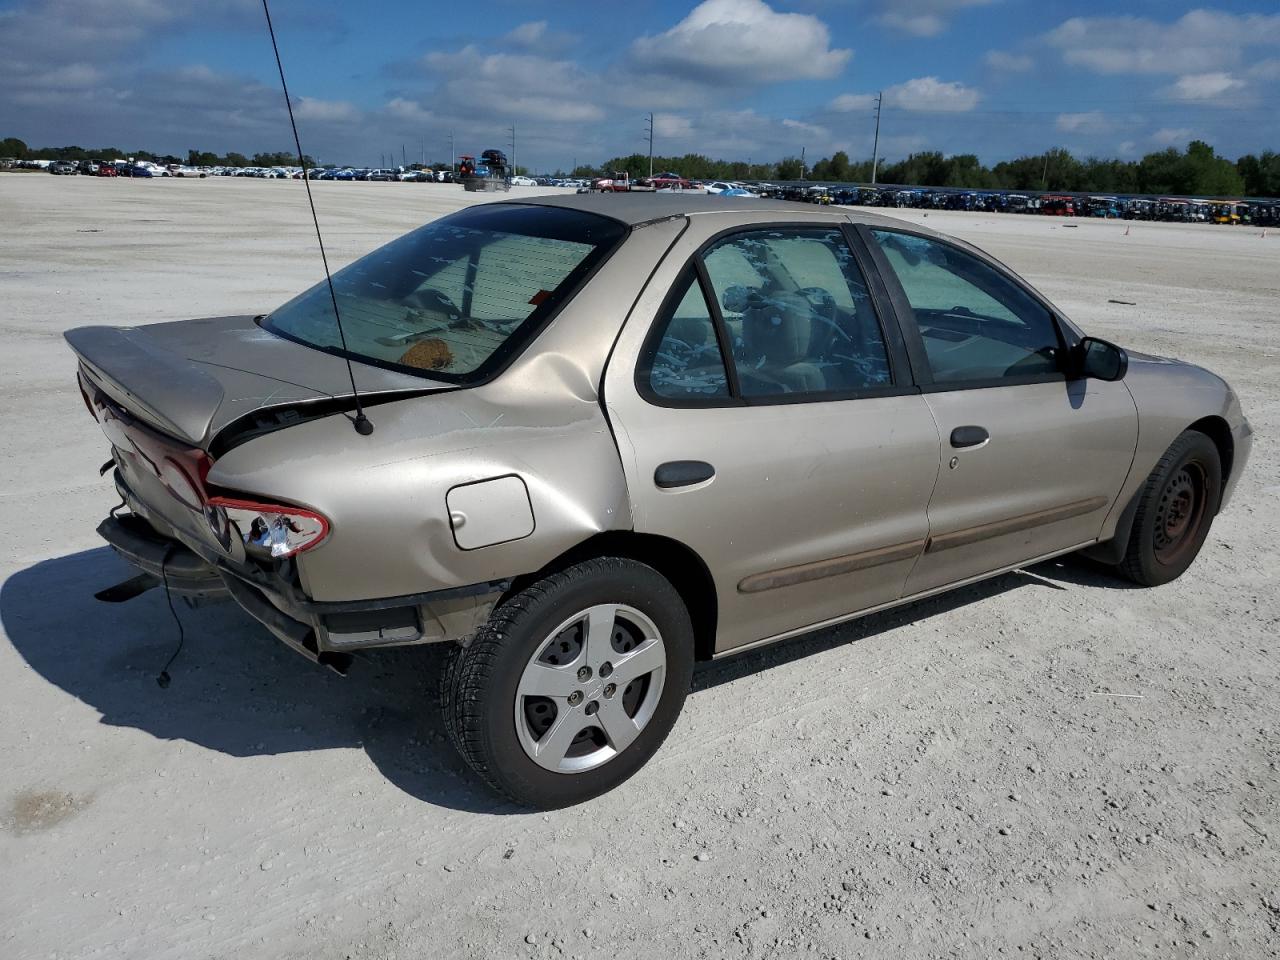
x: 1101, y: 360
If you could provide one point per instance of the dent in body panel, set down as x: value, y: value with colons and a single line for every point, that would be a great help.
x: 540, y: 420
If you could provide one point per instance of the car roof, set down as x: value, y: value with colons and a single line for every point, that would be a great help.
x: 635, y: 209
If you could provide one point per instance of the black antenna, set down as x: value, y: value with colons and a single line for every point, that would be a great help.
x: 363, y: 425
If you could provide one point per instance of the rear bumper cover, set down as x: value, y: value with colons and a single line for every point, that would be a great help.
x: 323, y: 632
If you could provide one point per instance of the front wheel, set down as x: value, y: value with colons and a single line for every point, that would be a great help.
x: 573, y: 684
x: 1175, y: 512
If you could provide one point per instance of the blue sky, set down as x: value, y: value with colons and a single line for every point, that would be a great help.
x: 738, y: 79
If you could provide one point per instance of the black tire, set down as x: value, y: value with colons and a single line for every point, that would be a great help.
x: 479, y: 684
x: 1175, y: 511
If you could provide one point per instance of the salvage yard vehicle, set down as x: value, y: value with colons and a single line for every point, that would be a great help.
x: 598, y: 439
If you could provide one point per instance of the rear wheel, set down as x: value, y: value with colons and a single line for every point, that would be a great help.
x: 573, y: 683
x: 1175, y: 512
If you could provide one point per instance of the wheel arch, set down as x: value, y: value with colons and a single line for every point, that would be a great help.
x: 1219, y: 431
x: 1216, y: 429
x: 679, y: 563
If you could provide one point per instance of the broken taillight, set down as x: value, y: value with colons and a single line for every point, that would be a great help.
x: 266, y: 529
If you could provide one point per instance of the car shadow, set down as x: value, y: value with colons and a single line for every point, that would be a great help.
x: 238, y: 691
x: 737, y: 665
x: 235, y: 689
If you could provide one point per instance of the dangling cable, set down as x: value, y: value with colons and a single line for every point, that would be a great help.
x: 162, y: 678
x: 362, y: 423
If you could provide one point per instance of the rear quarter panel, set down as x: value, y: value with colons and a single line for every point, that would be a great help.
x: 541, y: 420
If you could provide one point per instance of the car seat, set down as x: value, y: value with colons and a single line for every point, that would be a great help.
x: 781, y: 339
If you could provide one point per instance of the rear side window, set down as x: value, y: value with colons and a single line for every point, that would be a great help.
x: 682, y: 360
x: 977, y: 325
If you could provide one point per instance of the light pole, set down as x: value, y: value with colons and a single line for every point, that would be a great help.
x: 651, y: 146
x: 875, y: 150
x: 513, y: 150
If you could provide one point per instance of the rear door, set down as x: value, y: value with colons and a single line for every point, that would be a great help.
x: 766, y: 419
x: 1032, y: 460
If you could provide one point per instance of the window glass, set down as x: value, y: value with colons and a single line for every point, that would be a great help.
x: 798, y: 313
x: 450, y: 299
x: 976, y: 324
x: 684, y: 361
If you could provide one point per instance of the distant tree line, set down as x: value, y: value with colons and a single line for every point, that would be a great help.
x: 13, y: 147
x: 1197, y: 171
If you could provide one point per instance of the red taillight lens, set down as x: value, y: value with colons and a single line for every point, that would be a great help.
x: 266, y: 529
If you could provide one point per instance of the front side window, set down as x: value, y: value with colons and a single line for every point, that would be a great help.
x: 976, y: 323
x: 797, y: 313
x: 455, y: 298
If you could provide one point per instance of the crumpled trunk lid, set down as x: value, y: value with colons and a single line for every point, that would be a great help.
x: 192, y: 378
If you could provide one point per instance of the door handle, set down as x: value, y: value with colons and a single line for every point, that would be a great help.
x: 969, y: 436
x: 682, y: 473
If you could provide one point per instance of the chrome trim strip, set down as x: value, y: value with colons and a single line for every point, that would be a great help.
x: 900, y: 602
x: 834, y: 567
x: 999, y: 528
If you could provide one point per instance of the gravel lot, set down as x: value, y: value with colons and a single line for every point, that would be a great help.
x: 1049, y: 764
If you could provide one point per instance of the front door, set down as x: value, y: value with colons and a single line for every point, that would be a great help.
x: 1031, y: 460
x: 766, y: 420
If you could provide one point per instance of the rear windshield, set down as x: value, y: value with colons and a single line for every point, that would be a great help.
x: 457, y: 298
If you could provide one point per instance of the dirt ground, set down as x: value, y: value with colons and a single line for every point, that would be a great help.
x: 1050, y: 764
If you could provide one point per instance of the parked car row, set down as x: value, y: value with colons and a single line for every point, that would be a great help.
x: 1168, y: 209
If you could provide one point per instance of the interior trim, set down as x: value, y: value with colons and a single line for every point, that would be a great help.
x: 834, y: 567
x: 999, y: 528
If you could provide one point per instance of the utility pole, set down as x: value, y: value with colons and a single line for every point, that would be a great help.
x: 875, y: 149
x: 453, y: 153
x: 651, y: 146
x: 802, y: 164
x: 404, y: 160
x: 1044, y: 177
x: 422, y: 151
x: 513, y: 149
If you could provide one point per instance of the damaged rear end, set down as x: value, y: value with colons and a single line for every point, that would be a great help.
x: 171, y: 398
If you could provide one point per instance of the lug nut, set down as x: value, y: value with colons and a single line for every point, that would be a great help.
x: 575, y: 698
x: 584, y: 674
x: 610, y: 689
x: 592, y: 707
x: 606, y: 668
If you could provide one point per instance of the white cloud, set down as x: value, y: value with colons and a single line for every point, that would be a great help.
x: 922, y: 18
x: 671, y: 126
x: 849, y: 102
x: 516, y: 85
x: 1092, y: 122
x: 932, y: 94
x: 809, y: 129
x: 742, y: 41
x: 1204, y: 86
x: 1127, y: 148
x: 527, y: 34
x: 1008, y: 62
x: 537, y: 37
x: 1198, y: 42
x: 323, y: 111
x: 1168, y: 137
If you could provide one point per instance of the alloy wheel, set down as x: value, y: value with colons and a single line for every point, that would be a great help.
x: 590, y: 688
